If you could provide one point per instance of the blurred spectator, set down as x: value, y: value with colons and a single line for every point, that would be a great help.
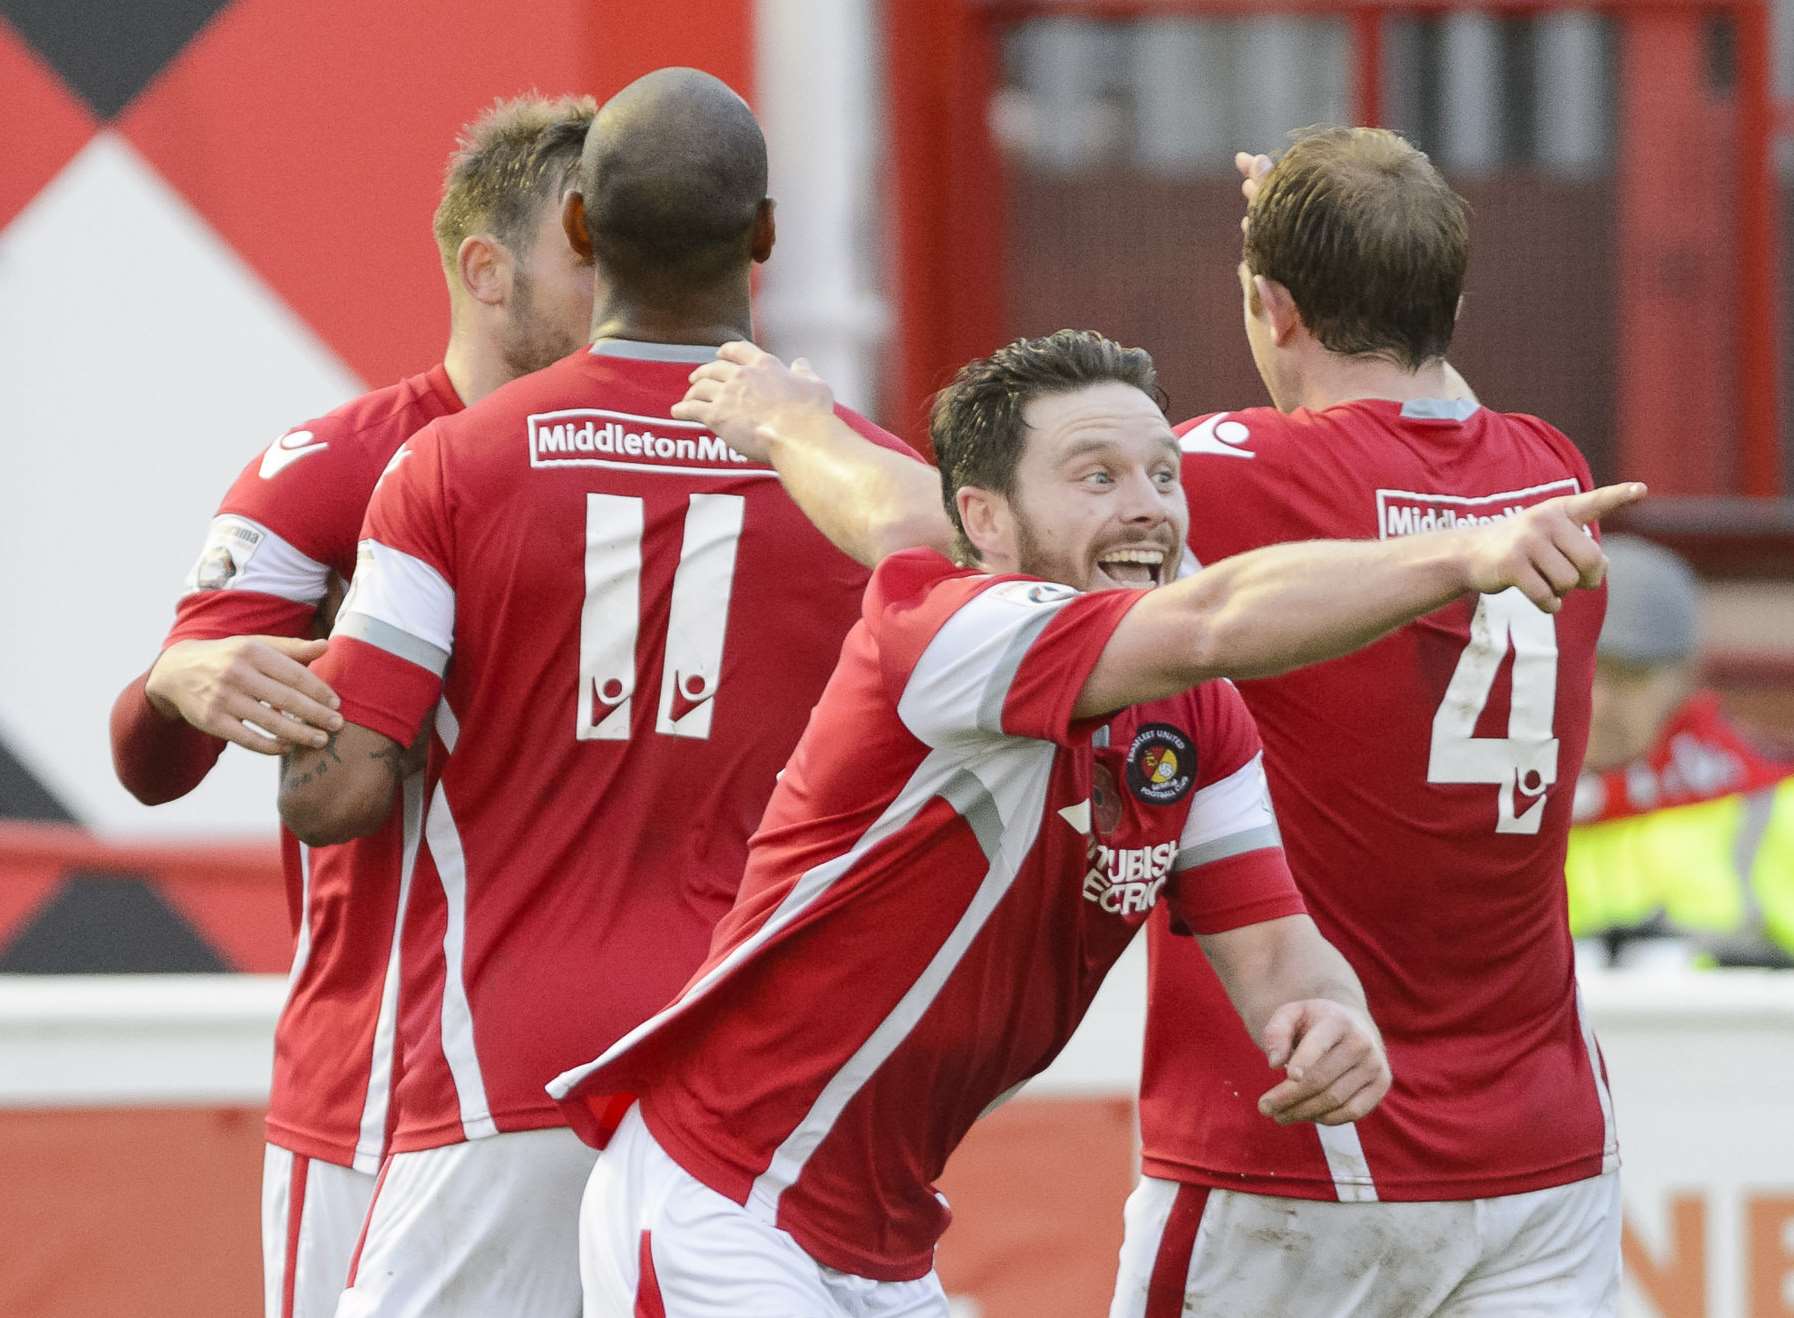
x: 1683, y: 850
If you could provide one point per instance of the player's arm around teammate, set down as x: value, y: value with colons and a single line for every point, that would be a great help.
x: 169, y: 725
x: 1260, y: 613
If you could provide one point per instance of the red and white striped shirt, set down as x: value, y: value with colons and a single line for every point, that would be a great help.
x: 291, y: 519
x: 627, y: 624
x: 948, y: 869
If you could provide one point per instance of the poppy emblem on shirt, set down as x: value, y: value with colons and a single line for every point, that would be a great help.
x: 1105, y: 800
x: 1161, y: 764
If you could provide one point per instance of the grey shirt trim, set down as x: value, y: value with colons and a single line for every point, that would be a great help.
x: 1440, y: 409
x: 384, y: 636
x: 654, y: 352
x: 1002, y: 673
x: 1223, y: 848
x: 968, y: 795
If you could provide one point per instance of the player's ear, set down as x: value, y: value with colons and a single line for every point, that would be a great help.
x: 765, y: 231
x: 573, y: 224
x: 1278, y: 307
x: 483, y: 266
x: 985, y: 516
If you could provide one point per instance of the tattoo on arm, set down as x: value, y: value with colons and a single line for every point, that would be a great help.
x: 395, y: 757
x: 316, y: 762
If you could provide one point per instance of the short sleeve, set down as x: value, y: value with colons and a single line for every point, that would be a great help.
x: 1229, y: 869
x: 1229, y: 483
x: 395, y: 630
x: 253, y: 573
x: 1004, y: 657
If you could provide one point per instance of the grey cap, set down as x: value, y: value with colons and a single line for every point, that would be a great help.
x: 1653, y: 604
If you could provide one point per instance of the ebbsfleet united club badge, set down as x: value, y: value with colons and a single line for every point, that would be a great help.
x: 1161, y: 764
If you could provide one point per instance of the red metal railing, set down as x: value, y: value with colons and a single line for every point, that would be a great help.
x: 949, y: 206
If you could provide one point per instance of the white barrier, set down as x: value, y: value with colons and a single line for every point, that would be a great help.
x: 123, y: 1040
x: 1702, y: 1067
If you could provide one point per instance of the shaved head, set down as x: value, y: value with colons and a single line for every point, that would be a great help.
x: 674, y: 178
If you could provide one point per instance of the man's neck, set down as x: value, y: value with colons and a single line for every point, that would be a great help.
x: 715, y: 316
x: 475, y: 372
x: 1331, y: 379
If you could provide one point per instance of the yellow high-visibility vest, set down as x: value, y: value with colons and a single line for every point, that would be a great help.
x: 1719, y: 869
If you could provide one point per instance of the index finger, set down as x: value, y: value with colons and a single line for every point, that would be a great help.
x: 1596, y: 504
x: 1318, y: 1040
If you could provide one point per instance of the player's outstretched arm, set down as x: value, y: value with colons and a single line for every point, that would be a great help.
x: 1284, y: 606
x: 343, y: 789
x: 869, y: 501
x: 1303, y: 1005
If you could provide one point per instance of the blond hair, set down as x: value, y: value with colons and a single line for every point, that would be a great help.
x: 507, y: 162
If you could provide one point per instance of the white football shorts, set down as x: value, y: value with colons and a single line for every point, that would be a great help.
x: 473, y: 1230
x: 654, y: 1242
x: 312, y: 1213
x: 1192, y: 1252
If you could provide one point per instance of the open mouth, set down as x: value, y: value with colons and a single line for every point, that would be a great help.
x: 1136, y: 566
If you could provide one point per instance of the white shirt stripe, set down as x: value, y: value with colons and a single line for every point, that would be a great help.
x: 957, y: 689
x: 403, y: 592
x: 1016, y: 778
x: 242, y: 554
x: 1238, y: 805
x: 1610, y: 1145
x: 458, y: 1044
x: 924, y: 784
x: 370, y: 1148
x: 301, y: 945
x: 1352, y: 1180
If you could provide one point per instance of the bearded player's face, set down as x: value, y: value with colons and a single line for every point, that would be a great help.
x: 1097, y: 501
x: 549, y: 311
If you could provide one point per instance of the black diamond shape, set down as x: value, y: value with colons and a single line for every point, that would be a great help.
x: 104, y: 924
x: 108, y: 50
x: 22, y: 796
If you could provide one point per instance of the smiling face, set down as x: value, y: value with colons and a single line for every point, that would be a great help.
x: 1096, y: 502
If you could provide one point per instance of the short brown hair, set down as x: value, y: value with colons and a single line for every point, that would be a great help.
x: 976, y: 425
x: 506, y: 163
x: 1369, y: 240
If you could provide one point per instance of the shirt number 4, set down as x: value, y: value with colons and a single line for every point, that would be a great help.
x: 697, y: 616
x: 1523, y: 764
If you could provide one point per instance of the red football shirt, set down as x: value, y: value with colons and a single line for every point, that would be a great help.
x: 1423, y: 787
x: 291, y: 519
x: 949, y: 867
x: 628, y: 624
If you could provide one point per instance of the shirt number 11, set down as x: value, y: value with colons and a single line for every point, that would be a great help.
x: 697, y: 615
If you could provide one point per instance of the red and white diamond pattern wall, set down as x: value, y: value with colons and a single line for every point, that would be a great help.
x: 214, y: 222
